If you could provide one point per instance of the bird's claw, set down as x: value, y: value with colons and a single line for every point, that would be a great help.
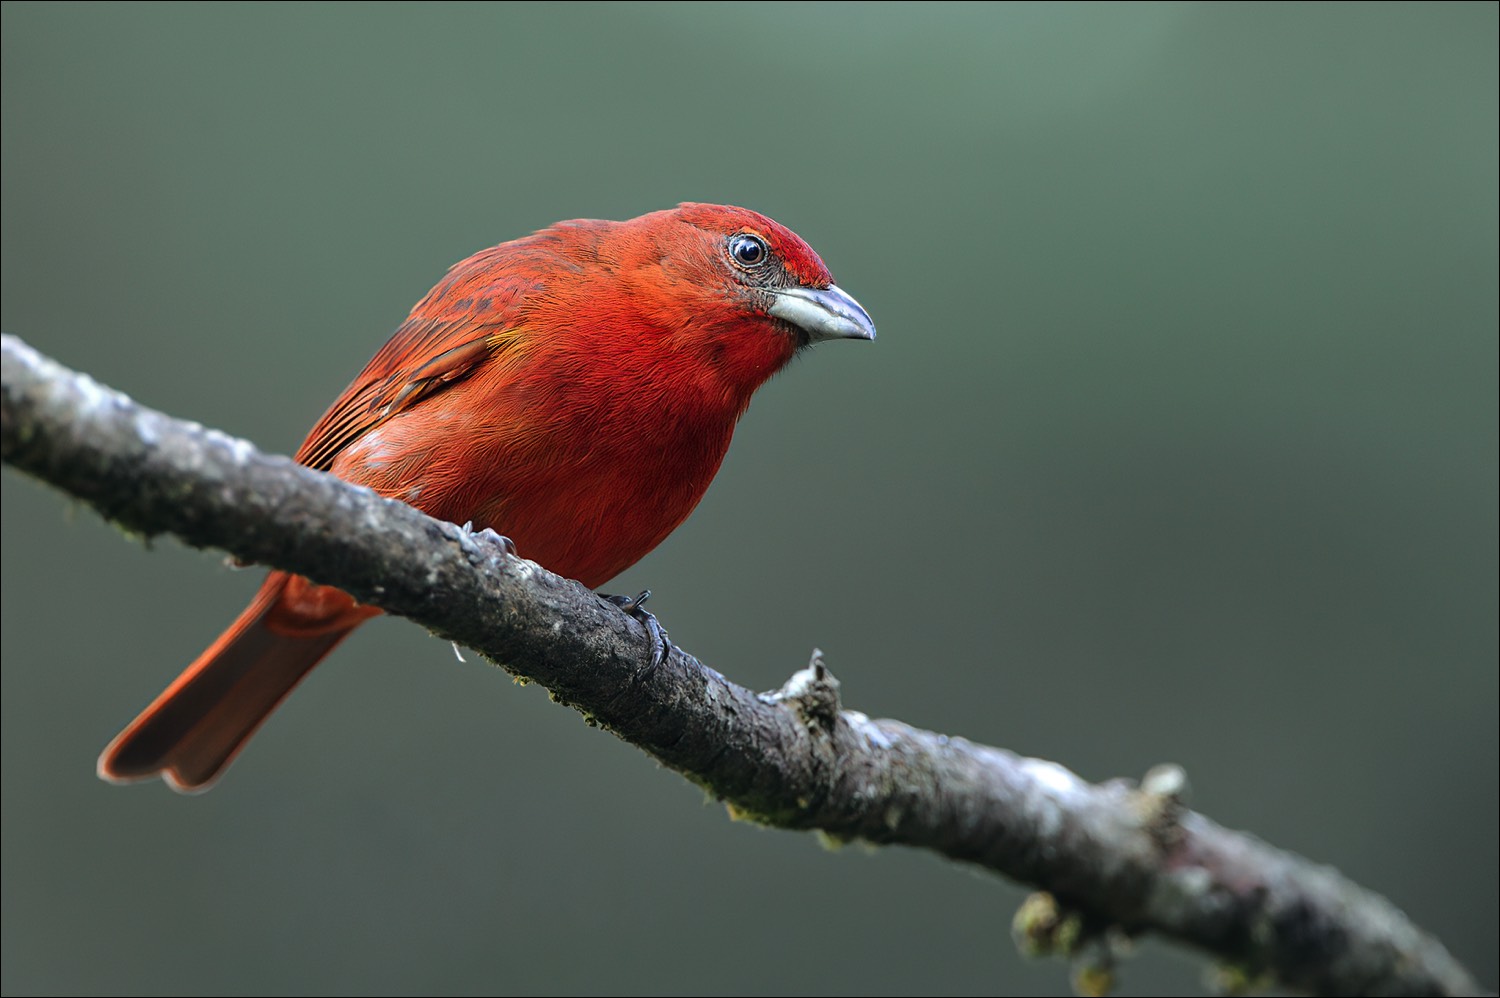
x: 487, y: 534
x: 635, y: 606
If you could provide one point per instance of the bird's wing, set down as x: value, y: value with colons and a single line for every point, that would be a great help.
x: 422, y: 358
x: 472, y: 315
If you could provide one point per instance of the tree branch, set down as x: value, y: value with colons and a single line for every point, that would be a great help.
x: 1118, y: 859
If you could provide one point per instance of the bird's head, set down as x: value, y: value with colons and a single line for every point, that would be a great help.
x: 769, y: 272
x: 703, y: 294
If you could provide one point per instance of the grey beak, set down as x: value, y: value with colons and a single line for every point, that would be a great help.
x: 823, y: 313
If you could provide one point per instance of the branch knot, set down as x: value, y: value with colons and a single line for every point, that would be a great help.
x: 812, y: 692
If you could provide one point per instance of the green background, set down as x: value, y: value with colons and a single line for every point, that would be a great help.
x: 1178, y: 443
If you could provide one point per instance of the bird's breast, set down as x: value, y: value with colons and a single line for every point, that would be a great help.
x: 586, y: 473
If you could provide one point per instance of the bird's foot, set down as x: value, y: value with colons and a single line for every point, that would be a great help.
x: 635, y: 606
x: 505, y: 543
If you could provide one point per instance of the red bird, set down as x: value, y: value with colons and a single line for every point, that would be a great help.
x: 574, y: 390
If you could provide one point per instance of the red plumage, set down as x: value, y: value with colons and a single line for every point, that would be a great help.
x: 575, y: 390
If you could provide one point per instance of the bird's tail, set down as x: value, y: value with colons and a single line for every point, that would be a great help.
x: 198, y: 725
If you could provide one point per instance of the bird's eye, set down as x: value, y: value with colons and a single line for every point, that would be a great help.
x: 747, y: 250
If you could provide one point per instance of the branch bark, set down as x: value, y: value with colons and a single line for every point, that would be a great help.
x: 1117, y: 859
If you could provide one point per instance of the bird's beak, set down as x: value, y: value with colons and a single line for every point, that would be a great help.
x: 823, y: 313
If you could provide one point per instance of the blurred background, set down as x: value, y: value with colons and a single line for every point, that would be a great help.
x: 1178, y: 444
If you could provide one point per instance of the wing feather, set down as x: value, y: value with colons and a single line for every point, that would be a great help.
x: 474, y: 313
x: 401, y: 375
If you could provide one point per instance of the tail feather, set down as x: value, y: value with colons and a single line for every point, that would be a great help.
x: 196, y: 727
